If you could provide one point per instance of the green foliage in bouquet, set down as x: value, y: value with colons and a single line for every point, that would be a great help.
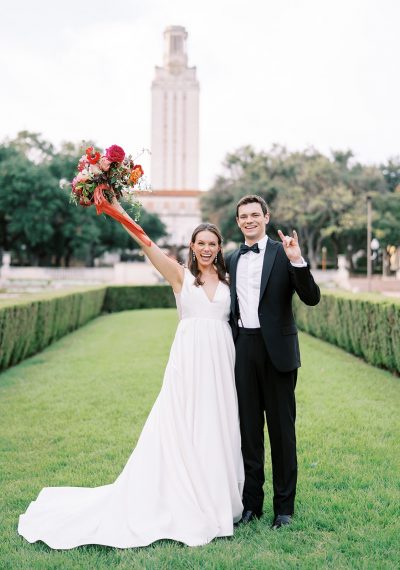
x: 365, y: 327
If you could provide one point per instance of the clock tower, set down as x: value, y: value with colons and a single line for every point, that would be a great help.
x: 175, y: 142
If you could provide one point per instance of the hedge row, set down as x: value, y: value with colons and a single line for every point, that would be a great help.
x: 123, y: 298
x: 366, y: 328
x: 27, y: 328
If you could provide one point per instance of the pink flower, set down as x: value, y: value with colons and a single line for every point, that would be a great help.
x: 82, y: 163
x: 104, y: 163
x: 115, y: 153
x: 81, y: 177
x: 95, y: 169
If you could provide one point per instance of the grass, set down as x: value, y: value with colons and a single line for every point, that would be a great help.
x: 72, y: 414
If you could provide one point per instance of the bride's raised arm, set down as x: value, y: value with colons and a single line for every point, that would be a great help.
x: 170, y: 269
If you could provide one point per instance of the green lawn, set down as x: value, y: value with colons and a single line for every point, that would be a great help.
x: 72, y: 414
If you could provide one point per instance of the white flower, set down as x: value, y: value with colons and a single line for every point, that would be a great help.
x: 64, y: 183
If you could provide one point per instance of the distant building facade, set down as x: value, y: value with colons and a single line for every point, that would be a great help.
x: 175, y: 141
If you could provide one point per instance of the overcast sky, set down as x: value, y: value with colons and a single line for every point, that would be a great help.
x: 324, y: 73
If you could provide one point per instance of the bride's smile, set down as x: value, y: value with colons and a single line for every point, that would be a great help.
x: 205, y: 248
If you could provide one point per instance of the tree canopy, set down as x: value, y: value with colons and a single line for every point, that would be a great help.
x: 322, y: 197
x: 38, y: 224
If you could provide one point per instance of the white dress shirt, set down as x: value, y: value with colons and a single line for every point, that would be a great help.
x: 248, y: 283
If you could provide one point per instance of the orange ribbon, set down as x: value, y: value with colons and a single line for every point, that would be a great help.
x: 104, y: 207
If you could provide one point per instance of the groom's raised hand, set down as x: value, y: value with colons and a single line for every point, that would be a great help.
x: 291, y: 246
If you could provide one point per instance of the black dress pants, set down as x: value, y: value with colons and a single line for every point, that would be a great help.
x: 262, y: 389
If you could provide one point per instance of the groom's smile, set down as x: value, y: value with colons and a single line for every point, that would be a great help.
x: 252, y: 221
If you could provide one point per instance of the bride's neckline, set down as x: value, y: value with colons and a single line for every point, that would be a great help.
x: 214, y: 294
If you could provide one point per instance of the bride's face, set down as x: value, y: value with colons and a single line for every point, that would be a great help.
x: 205, y: 248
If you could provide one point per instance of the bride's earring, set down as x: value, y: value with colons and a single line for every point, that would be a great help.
x: 193, y: 256
x: 215, y: 259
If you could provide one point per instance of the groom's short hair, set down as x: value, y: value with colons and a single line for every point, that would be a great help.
x: 251, y: 199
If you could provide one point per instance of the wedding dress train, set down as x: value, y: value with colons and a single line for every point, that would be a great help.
x: 184, y: 479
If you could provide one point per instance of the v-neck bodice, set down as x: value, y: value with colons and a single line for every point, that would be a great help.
x: 193, y: 302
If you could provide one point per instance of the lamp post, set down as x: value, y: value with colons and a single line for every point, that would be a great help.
x: 369, y: 236
x: 324, y: 250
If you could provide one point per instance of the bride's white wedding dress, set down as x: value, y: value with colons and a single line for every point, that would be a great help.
x: 184, y: 479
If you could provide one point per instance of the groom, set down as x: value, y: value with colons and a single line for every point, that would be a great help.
x: 264, y: 274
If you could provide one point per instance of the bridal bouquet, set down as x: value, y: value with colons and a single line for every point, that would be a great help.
x: 102, y: 178
x: 113, y: 174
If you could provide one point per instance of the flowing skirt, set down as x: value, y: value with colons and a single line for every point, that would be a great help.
x: 185, y: 477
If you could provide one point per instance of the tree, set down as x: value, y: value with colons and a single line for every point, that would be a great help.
x: 25, y: 195
x: 37, y: 221
x: 323, y: 198
x: 114, y: 237
x: 313, y: 200
x: 386, y: 219
x: 246, y: 172
x: 391, y: 173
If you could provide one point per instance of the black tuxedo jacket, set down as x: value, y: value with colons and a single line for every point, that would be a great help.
x: 279, y: 280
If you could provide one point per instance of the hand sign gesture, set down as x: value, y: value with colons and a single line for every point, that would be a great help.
x: 291, y: 246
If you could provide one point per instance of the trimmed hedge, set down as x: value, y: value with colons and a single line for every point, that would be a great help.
x: 364, y: 327
x: 124, y: 298
x: 29, y: 327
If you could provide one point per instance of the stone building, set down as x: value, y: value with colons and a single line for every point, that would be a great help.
x: 175, y: 141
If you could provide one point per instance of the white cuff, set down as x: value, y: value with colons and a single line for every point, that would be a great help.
x: 300, y: 264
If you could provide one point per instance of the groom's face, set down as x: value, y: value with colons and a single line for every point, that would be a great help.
x: 252, y: 221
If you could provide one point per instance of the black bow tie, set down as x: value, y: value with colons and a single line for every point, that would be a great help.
x: 245, y: 248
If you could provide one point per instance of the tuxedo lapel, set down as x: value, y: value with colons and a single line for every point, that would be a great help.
x: 269, y: 257
x: 232, y: 278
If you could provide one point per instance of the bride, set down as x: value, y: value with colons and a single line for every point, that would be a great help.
x: 184, y: 479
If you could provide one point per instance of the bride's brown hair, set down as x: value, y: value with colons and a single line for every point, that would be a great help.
x: 219, y: 262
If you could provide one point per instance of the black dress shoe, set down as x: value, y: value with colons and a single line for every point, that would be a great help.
x: 280, y: 521
x: 248, y: 516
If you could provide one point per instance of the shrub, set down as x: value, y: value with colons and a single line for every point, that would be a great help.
x: 364, y: 327
x: 29, y: 327
x: 123, y: 298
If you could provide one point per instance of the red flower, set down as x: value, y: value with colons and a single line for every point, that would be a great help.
x: 93, y: 156
x: 115, y: 153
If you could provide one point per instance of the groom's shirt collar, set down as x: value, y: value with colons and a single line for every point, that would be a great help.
x: 262, y: 244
